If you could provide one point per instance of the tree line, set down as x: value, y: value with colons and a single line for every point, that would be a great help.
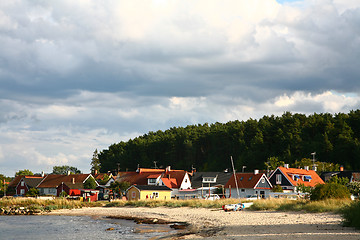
x: 207, y: 147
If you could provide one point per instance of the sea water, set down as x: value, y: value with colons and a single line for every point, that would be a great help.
x: 76, y: 227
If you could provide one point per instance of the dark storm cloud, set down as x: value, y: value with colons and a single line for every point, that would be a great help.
x: 81, y: 75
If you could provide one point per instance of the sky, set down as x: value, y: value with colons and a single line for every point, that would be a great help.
x: 77, y: 76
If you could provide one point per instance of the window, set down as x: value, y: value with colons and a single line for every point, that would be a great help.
x: 151, y: 181
x: 209, y: 179
x: 242, y: 190
x: 155, y: 194
x: 22, y: 183
x: 307, y: 178
x: 278, y: 178
x: 296, y: 177
x: 22, y: 191
x: 241, y: 178
x: 263, y: 180
x: 133, y: 194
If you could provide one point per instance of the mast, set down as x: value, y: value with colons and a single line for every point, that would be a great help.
x: 237, y: 188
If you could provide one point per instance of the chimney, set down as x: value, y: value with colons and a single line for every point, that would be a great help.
x: 96, y: 172
x: 168, y: 169
x: 314, y: 168
x: 256, y: 171
x: 42, y: 174
x: 286, y: 165
x: 306, y: 168
x: 341, y: 168
x: 68, y: 173
x: 73, y: 180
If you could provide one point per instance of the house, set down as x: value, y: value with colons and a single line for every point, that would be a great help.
x: 54, y: 184
x: 145, y: 192
x: 176, y: 180
x: 206, y: 182
x: 290, y: 178
x: 25, y: 183
x: 104, y: 187
x: 248, y: 184
x: 353, y: 176
x: 20, y: 185
x: 99, y: 177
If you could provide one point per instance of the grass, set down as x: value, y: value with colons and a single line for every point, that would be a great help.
x: 58, y: 203
x: 351, y: 215
x: 329, y: 205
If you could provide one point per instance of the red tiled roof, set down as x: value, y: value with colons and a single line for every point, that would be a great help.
x: 171, y: 183
x: 54, y: 180
x: 153, y: 175
x: 289, y: 172
x: 141, y: 177
x: 99, y: 176
x: 244, y: 180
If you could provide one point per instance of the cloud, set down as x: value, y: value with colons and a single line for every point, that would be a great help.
x: 76, y: 76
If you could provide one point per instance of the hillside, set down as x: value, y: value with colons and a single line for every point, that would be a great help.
x: 208, y: 147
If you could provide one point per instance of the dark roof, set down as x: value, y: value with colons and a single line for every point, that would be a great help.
x: 347, y: 174
x: 32, y: 181
x: 197, y: 178
x: 152, y: 187
x: 54, y: 180
x: 70, y: 185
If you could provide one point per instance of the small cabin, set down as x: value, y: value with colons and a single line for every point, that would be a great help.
x: 148, y: 192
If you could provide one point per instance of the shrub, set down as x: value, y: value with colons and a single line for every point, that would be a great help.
x: 351, y: 215
x: 354, y: 188
x: 329, y: 190
x: 32, y: 192
x: 277, y: 188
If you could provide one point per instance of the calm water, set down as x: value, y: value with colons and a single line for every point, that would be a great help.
x: 75, y: 227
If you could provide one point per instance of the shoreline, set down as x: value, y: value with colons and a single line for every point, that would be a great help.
x: 217, y: 224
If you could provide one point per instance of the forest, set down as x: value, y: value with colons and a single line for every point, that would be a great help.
x: 208, y: 147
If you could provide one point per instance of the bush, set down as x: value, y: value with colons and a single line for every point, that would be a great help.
x: 351, y: 215
x: 329, y: 190
x: 277, y: 188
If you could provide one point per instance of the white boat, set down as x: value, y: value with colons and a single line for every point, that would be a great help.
x: 233, y: 207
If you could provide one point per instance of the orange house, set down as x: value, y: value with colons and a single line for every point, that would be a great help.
x: 289, y: 178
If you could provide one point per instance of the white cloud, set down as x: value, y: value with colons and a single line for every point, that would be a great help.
x: 81, y: 75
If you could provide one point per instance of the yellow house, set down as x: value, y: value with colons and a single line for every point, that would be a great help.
x: 147, y: 192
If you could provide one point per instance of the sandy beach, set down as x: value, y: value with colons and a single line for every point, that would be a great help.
x: 217, y: 224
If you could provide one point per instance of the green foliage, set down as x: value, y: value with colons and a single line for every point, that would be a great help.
x: 329, y: 191
x: 90, y: 183
x: 65, y: 169
x: 339, y: 180
x: 329, y: 205
x: 277, y: 188
x: 104, y: 180
x: 351, y: 215
x: 24, y: 172
x: 95, y: 162
x: 63, y: 194
x: 119, y: 186
x: 273, y: 163
x: 302, y: 188
x: 32, y: 192
x: 354, y: 188
x: 251, y: 143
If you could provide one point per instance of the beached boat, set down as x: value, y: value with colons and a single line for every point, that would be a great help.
x: 238, y: 206
x: 233, y: 207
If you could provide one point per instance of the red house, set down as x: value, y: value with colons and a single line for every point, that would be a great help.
x: 22, y: 184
